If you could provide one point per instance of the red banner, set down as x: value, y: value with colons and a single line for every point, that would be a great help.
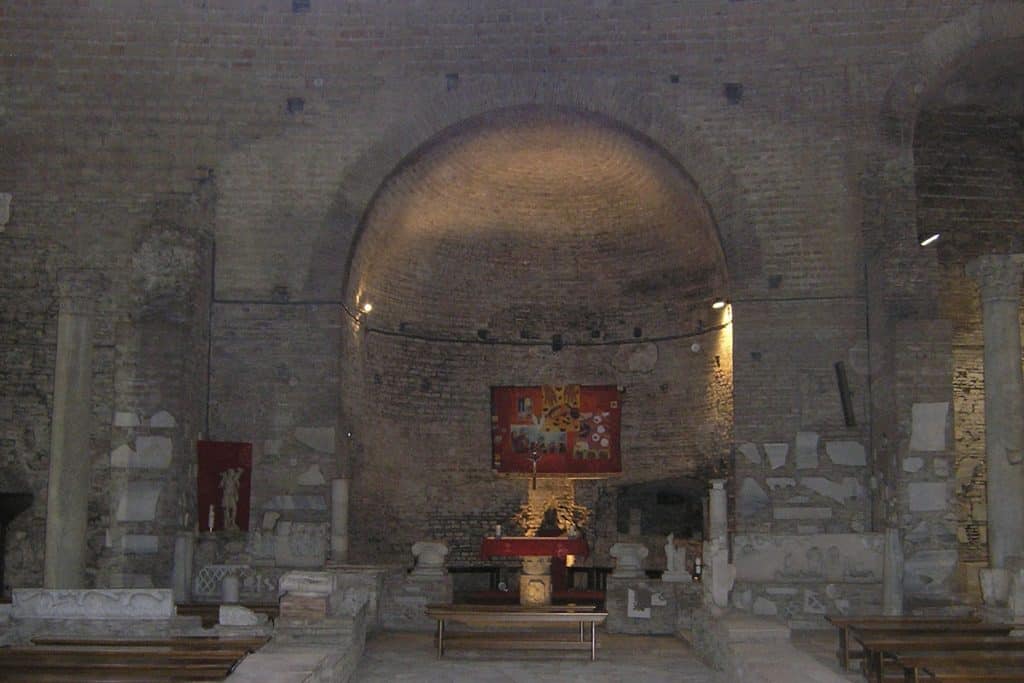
x: 223, y: 481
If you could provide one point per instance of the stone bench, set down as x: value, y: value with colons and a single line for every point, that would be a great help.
x: 504, y: 616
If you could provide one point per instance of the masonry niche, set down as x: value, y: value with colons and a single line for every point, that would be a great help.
x: 527, y: 246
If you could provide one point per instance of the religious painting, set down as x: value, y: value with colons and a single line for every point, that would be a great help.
x: 557, y: 429
x: 223, y: 482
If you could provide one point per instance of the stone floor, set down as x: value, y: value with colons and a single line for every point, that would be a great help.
x: 822, y: 646
x: 391, y: 657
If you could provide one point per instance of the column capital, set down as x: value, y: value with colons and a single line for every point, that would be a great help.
x: 79, y: 289
x: 999, y: 276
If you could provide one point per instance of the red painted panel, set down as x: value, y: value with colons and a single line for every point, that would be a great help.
x: 571, y: 429
x: 533, y: 546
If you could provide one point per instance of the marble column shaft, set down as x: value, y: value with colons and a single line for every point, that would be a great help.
x: 999, y: 277
x: 339, y: 519
x: 69, y: 480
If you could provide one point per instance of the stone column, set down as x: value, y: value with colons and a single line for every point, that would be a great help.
x: 718, y: 506
x: 999, y: 278
x: 339, y: 519
x: 892, y: 573
x: 719, y: 574
x: 68, y: 489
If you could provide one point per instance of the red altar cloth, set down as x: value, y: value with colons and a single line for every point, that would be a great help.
x: 533, y: 546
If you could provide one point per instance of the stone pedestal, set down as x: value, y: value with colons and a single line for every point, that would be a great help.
x: 68, y: 488
x: 429, y: 560
x: 535, y: 582
x: 629, y: 558
x: 999, y: 278
x: 719, y: 575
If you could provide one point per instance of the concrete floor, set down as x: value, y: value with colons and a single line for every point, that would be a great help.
x: 392, y: 657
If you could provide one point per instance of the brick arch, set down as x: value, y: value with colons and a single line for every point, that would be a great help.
x: 632, y: 109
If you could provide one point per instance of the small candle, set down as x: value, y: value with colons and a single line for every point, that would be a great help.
x: 497, y: 531
x: 210, y: 519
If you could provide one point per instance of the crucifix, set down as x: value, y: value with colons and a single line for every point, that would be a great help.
x: 534, y: 457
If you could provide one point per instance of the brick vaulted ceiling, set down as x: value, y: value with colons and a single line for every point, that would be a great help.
x: 533, y: 222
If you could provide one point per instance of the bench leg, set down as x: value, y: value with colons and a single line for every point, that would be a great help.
x: 593, y: 641
x: 440, y: 638
x: 844, y: 650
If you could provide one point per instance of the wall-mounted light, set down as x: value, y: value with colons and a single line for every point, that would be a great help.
x: 930, y: 238
x: 719, y: 304
x: 366, y: 308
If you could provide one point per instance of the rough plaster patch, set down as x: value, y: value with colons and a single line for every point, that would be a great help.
x: 941, y: 467
x: 318, y: 438
x: 270, y: 520
x: 162, y: 420
x: 806, y: 450
x: 138, y: 501
x: 913, y: 464
x: 312, y: 477
x: 126, y: 419
x: 849, y: 453
x: 765, y: 608
x: 776, y: 453
x: 776, y: 483
x: 272, y: 446
x: 928, y: 426
x: 927, y: 496
x: 803, y: 513
x: 643, y: 358
x: 750, y: 452
x: 838, y: 491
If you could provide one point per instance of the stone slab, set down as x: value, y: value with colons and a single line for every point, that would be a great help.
x: 802, y: 513
x: 927, y: 496
x: 151, y: 452
x: 109, y: 603
x: 311, y: 477
x: 806, y: 450
x: 928, y: 426
x: 138, y: 501
x: 847, y: 453
x: 140, y: 544
x: 791, y: 558
x: 913, y: 464
x: 237, y: 615
x: 929, y: 572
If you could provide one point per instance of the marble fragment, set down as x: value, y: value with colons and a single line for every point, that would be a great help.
x: 927, y: 496
x: 750, y: 452
x: 296, y: 503
x: 913, y: 464
x: 928, y: 426
x: 763, y: 607
x: 848, y: 453
x: 126, y: 419
x: 776, y: 483
x: 138, y: 501
x: 162, y: 420
x: 752, y: 499
x: 802, y: 513
x: 140, y: 544
x: 312, y: 477
x: 777, y: 453
x: 848, y: 488
x: 806, y: 450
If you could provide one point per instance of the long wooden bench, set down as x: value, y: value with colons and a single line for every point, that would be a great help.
x: 879, y: 648
x: 125, y: 660
x: 845, y: 624
x: 963, y: 666
x: 517, y: 616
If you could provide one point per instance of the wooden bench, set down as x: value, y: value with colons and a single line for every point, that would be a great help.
x: 125, y: 660
x: 905, y: 645
x: 845, y: 624
x: 516, y: 615
x: 963, y: 666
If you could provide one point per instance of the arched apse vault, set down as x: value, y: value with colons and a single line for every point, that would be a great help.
x: 527, y: 245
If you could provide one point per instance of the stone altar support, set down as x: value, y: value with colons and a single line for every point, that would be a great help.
x: 675, y: 562
x: 629, y: 559
x: 429, y: 560
x: 535, y: 581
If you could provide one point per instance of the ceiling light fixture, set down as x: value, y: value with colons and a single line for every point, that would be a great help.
x: 719, y: 304
x: 930, y: 239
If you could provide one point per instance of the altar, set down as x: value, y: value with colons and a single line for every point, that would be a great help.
x: 535, y: 583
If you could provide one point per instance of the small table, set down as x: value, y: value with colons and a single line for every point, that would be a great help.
x: 535, y: 581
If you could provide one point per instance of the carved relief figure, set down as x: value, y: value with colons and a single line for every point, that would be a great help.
x: 229, y: 482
